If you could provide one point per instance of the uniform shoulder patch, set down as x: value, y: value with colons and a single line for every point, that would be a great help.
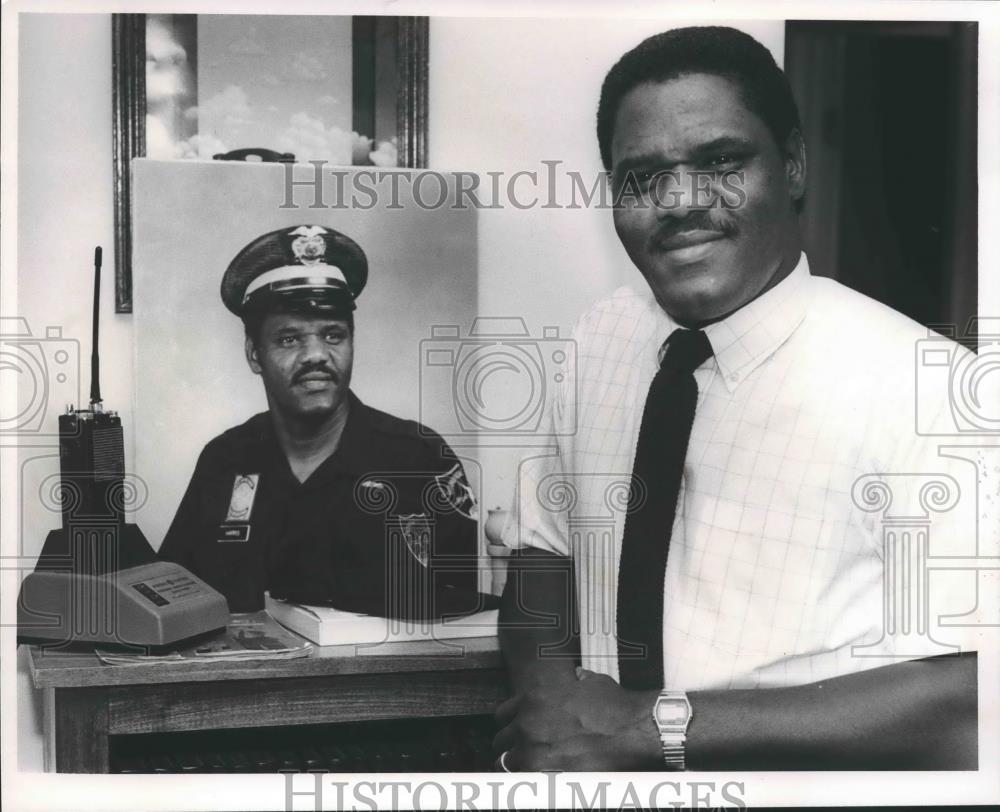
x: 455, y: 492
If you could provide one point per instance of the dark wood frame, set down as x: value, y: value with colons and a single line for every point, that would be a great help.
x: 128, y: 137
x: 128, y: 83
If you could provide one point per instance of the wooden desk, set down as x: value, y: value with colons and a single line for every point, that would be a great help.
x: 86, y: 701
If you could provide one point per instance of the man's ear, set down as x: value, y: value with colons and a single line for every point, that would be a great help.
x: 795, y: 164
x: 251, y: 351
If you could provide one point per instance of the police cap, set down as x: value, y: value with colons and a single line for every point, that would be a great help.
x: 304, y: 268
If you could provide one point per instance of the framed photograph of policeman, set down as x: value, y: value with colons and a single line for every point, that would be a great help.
x: 349, y: 90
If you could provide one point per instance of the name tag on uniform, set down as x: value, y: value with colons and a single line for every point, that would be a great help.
x: 236, y: 526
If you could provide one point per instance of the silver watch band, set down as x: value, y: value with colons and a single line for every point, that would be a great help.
x: 673, y: 753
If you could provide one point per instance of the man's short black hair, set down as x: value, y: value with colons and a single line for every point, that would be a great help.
x: 253, y: 320
x: 715, y: 50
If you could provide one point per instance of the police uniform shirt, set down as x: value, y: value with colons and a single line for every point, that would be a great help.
x: 246, y: 524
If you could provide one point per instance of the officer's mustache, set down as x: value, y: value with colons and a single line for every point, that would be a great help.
x: 697, y: 220
x: 316, y: 369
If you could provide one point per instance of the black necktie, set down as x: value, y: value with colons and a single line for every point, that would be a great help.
x: 656, y: 481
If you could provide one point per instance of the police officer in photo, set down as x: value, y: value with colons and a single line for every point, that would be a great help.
x: 322, y: 499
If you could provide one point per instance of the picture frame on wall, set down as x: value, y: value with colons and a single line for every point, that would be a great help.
x: 348, y: 90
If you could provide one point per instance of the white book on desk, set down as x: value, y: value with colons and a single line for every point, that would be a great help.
x: 332, y: 627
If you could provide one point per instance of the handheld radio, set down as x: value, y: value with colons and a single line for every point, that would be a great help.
x: 98, y: 579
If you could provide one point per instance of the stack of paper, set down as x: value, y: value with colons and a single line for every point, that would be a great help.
x: 249, y: 636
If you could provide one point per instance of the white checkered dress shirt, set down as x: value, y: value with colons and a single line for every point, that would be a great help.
x: 775, y: 575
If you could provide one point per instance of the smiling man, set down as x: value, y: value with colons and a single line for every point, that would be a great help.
x: 322, y: 499
x: 732, y: 612
x: 702, y: 259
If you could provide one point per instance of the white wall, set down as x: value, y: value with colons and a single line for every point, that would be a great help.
x: 64, y: 210
x: 505, y: 94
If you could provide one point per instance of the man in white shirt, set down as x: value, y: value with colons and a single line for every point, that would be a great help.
x: 778, y: 569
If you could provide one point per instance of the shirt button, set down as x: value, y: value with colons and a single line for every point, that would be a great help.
x: 734, y: 377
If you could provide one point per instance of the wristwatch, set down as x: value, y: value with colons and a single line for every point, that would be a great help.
x: 672, y: 715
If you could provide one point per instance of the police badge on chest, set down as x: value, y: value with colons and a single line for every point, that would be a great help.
x: 236, y: 526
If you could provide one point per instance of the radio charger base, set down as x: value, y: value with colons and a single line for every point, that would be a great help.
x: 109, y: 588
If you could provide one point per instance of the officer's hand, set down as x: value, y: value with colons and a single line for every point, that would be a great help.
x: 591, y: 725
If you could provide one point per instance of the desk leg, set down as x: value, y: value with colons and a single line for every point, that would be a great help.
x: 81, y: 730
x: 49, y: 729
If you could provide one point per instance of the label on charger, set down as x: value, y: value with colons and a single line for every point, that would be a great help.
x: 164, y: 589
x: 150, y: 594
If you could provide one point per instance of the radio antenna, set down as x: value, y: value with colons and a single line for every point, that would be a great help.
x: 95, y: 358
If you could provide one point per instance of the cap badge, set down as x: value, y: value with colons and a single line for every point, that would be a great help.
x: 309, y: 246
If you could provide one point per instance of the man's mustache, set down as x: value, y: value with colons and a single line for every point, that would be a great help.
x: 711, y: 220
x: 315, y: 371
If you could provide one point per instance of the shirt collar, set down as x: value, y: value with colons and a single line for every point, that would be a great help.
x: 745, y: 339
x: 352, y: 452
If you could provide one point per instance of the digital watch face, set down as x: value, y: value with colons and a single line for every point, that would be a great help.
x: 671, y: 712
